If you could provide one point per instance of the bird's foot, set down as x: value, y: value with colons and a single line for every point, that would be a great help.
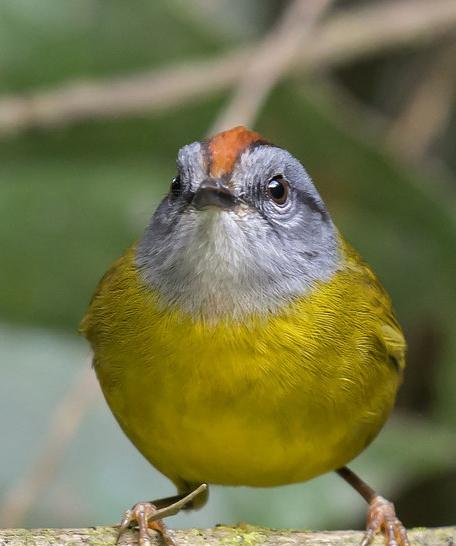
x: 146, y: 516
x: 381, y: 516
x: 143, y: 515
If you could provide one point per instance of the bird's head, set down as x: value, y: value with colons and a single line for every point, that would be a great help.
x: 241, y: 232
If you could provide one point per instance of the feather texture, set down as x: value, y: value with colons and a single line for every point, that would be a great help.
x: 263, y: 401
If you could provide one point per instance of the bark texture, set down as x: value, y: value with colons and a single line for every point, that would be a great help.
x: 219, y: 536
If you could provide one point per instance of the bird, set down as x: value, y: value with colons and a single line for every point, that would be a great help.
x: 241, y: 340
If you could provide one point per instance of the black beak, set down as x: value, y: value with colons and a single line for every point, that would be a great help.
x: 212, y: 193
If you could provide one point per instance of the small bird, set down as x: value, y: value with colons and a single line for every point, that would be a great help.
x: 241, y: 340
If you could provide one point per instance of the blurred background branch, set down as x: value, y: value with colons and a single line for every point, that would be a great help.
x: 351, y: 34
x: 426, y: 113
x: 269, y: 62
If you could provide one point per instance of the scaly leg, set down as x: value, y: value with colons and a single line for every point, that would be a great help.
x: 148, y: 515
x: 381, y: 515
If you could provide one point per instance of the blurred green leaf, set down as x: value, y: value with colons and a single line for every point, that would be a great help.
x: 47, y: 43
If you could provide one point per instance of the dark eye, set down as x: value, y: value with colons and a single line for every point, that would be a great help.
x: 176, y: 186
x: 278, y: 189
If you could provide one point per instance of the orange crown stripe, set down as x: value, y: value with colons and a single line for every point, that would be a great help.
x: 224, y: 148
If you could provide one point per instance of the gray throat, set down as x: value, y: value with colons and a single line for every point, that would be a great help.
x: 216, y: 266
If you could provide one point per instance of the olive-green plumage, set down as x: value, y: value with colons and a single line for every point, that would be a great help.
x: 266, y: 401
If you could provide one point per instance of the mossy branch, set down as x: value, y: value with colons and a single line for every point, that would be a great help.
x: 246, y: 534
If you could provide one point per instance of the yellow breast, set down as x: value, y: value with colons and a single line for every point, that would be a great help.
x: 265, y: 402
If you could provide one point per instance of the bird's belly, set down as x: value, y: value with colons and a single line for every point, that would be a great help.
x: 233, y: 448
x: 250, y: 431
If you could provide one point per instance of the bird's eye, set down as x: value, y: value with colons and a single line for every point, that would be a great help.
x: 176, y: 186
x: 278, y: 189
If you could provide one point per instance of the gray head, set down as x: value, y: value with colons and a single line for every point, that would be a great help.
x: 242, y: 232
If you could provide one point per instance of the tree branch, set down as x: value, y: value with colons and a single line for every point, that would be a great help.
x: 345, y: 36
x: 218, y: 536
x: 269, y: 62
x: 427, y: 111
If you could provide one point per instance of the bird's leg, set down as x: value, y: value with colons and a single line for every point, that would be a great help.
x: 381, y: 515
x: 149, y: 515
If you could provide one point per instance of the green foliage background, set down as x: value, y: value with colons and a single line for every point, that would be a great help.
x: 71, y: 199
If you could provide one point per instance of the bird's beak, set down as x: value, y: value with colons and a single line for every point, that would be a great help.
x: 212, y: 193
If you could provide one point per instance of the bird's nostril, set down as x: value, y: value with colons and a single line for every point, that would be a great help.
x: 212, y: 193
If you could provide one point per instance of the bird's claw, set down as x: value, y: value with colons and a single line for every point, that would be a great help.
x: 382, y: 517
x: 144, y: 515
